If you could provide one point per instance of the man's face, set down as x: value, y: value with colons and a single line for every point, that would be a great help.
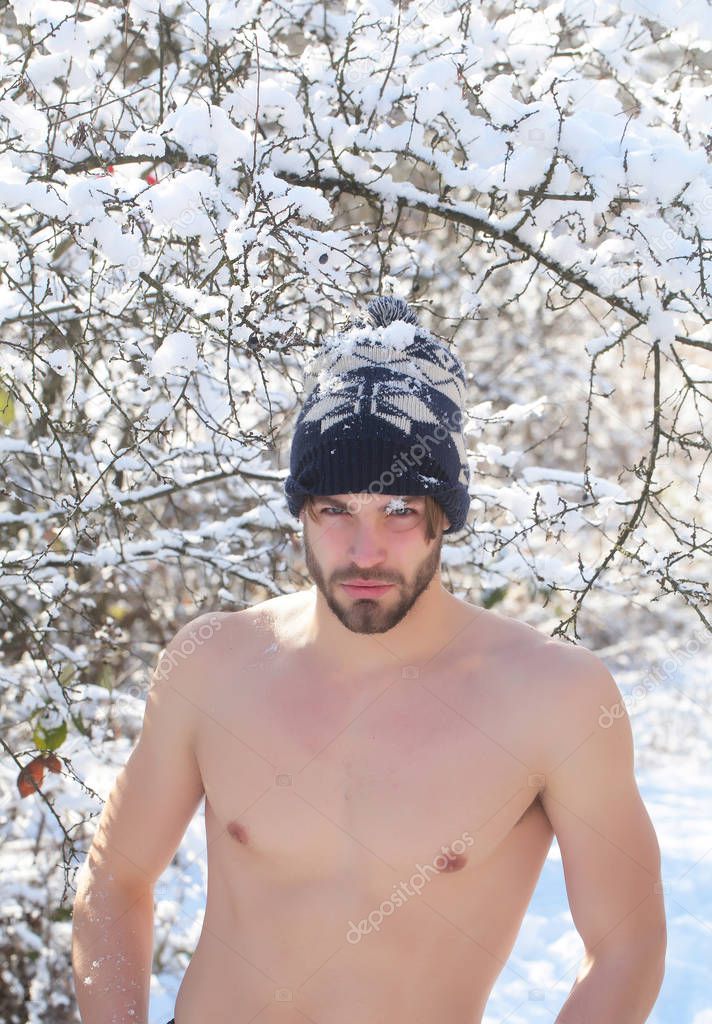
x: 374, y: 538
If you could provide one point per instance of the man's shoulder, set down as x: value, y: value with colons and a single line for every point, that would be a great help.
x: 200, y: 632
x: 510, y: 639
x: 577, y: 694
x: 214, y: 632
x: 576, y: 672
x: 572, y: 684
x: 561, y: 661
x: 184, y: 662
x: 572, y: 673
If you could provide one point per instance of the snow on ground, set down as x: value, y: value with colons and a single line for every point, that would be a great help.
x: 536, y: 981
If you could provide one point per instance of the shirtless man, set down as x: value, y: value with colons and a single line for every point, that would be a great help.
x: 383, y: 770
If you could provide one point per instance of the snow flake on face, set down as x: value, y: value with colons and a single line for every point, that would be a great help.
x: 396, y: 504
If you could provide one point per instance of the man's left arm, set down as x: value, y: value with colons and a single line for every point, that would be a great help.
x: 609, y: 850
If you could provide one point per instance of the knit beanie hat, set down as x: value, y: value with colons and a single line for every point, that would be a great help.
x: 383, y: 412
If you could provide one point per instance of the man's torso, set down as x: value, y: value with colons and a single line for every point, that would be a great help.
x: 373, y: 840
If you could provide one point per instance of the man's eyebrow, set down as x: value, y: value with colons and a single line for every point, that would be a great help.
x: 331, y: 500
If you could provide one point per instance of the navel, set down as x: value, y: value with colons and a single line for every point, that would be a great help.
x: 238, y: 831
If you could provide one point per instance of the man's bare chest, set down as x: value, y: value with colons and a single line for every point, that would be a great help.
x: 416, y: 768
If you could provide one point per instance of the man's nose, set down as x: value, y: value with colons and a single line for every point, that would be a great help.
x: 368, y: 545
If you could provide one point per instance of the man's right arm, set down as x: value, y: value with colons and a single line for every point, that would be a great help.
x: 153, y: 799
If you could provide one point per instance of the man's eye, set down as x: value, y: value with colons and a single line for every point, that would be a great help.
x: 389, y: 512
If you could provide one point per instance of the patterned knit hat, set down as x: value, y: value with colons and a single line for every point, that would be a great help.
x: 383, y: 412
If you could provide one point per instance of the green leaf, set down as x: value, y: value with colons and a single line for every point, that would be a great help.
x: 7, y: 407
x: 494, y: 596
x: 67, y: 673
x: 80, y: 725
x: 106, y: 677
x: 61, y: 914
x: 50, y: 729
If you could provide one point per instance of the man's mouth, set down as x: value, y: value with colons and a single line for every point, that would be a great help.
x: 366, y: 589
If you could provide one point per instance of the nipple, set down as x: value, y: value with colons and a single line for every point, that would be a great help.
x: 455, y: 861
x: 237, y: 831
